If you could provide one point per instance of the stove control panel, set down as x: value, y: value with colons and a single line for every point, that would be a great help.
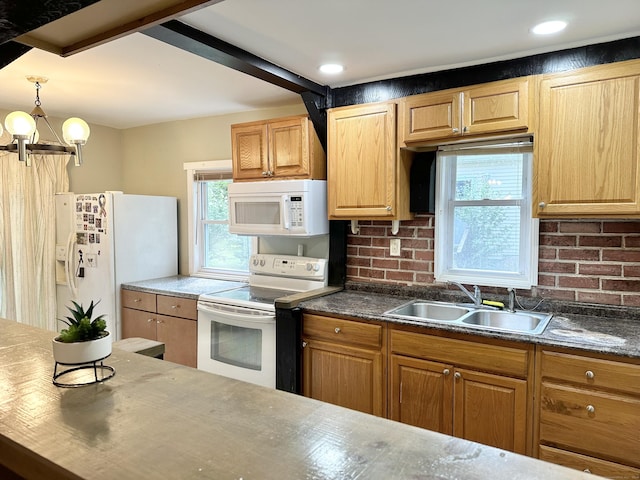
x: 288, y: 266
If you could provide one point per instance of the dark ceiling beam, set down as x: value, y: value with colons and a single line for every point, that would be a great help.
x: 9, y: 51
x: 314, y: 95
x: 21, y: 16
x: 207, y: 46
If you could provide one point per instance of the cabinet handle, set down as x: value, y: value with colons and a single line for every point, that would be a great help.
x: 455, y: 130
x: 541, y: 205
x: 446, y: 372
x: 337, y: 330
x: 464, y: 129
x: 457, y: 375
x: 591, y: 409
x: 589, y: 374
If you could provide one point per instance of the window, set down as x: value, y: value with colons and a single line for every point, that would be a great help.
x: 213, y: 251
x: 484, y: 231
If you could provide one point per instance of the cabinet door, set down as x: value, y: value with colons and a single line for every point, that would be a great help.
x: 138, y: 323
x: 180, y: 337
x: 343, y: 375
x: 490, y: 409
x: 289, y: 147
x: 249, y: 151
x: 421, y: 393
x: 431, y: 116
x: 361, y: 162
x: 587, y: 144
x: 496, y: 107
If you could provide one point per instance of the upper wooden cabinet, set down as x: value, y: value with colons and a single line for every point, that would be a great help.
x: 277, y: 149
x: 587, y: 146
x: 449, y: 114
x: 366, y: 177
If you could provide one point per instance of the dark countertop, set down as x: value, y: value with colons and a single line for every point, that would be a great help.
x: 601, y: 334
x: 156, y: 419
x: 182, y: 286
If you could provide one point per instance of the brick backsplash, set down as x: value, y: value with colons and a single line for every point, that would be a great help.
x: 590, y: 261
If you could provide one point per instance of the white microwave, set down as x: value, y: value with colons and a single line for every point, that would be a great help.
x: 278, y: 207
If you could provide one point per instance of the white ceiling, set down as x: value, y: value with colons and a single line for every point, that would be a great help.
x: 137, y: 80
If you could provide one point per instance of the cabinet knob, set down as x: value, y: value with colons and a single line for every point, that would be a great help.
x: 304, y: 344
x: 457, y: 375
x: 591, y: 409
x: 149, y: 320
x: 446, y: 372
x: 137, y: 300
x: 586, y: 470
x: 337, y: 330
x: 589, y: 374
x: 541, y: 205
x: 465, y: 129
x: 160, y: 321
x: 265, y: 174
x: 174, y: 306
x: 455, y: 130
x: 388, y: 208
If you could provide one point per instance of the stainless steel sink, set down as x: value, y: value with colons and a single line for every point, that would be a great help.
x: 434, y: 311
x: 518, y: 321
x: 485, y: 318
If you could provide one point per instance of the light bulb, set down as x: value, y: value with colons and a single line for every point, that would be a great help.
x: 20, y: 123
x: 75, y: 131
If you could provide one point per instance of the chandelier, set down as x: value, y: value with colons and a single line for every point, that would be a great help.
x: 23, y: 128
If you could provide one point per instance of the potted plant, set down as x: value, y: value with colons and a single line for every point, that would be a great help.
x: 85, y: 340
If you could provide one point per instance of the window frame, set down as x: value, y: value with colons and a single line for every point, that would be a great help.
x: 195, y: 228
x: 527, y: 276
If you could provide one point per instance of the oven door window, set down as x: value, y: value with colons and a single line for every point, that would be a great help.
x: 238, y: 346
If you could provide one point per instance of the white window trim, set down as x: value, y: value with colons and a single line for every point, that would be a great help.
x: 192, y: 169
x: 442, y: 239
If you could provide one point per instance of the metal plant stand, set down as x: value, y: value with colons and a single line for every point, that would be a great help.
x: 101, y: 373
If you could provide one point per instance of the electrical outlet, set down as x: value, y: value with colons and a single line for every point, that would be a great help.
x: 394, y: 247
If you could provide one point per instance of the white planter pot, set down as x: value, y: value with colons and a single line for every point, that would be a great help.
x: 82, y: 352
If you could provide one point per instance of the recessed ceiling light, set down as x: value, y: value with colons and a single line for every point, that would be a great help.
x: 332, y: 68
x: 547, y: 28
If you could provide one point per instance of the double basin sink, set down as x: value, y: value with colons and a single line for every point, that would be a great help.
x: 486, y: 318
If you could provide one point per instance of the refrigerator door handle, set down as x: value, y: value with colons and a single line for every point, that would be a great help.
x: 68, y: 266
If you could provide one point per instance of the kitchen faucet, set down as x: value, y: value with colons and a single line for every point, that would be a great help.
x: 476, y: 296
x: 512, y: 300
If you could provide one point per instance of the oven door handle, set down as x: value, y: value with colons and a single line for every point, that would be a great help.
x: 237, y: 313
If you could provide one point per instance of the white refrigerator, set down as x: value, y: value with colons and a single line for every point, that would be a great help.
x: 106, y: 239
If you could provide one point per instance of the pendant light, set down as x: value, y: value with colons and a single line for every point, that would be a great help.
x: 23, y: 128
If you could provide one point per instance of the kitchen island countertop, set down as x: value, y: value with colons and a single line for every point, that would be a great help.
x: 155, y: 419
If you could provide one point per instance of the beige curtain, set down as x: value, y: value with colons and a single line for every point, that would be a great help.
x: 28, y: 236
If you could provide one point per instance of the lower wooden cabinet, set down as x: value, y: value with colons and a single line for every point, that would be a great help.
x: 432, y: 386
x: 343, y: 363
x: 589, y: 412
x: 165, y: 318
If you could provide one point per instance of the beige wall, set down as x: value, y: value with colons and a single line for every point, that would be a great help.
x: 149, y: 160
x: 153, y: 157
x: 102, y: 168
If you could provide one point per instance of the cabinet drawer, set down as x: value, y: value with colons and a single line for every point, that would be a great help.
x: 138, y: 300
x: 591, y: 372
x: 178, y: 307
x: 588, y: 464
x: 496, y: 358
x: 591, y: 422
x: 344, y: 331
